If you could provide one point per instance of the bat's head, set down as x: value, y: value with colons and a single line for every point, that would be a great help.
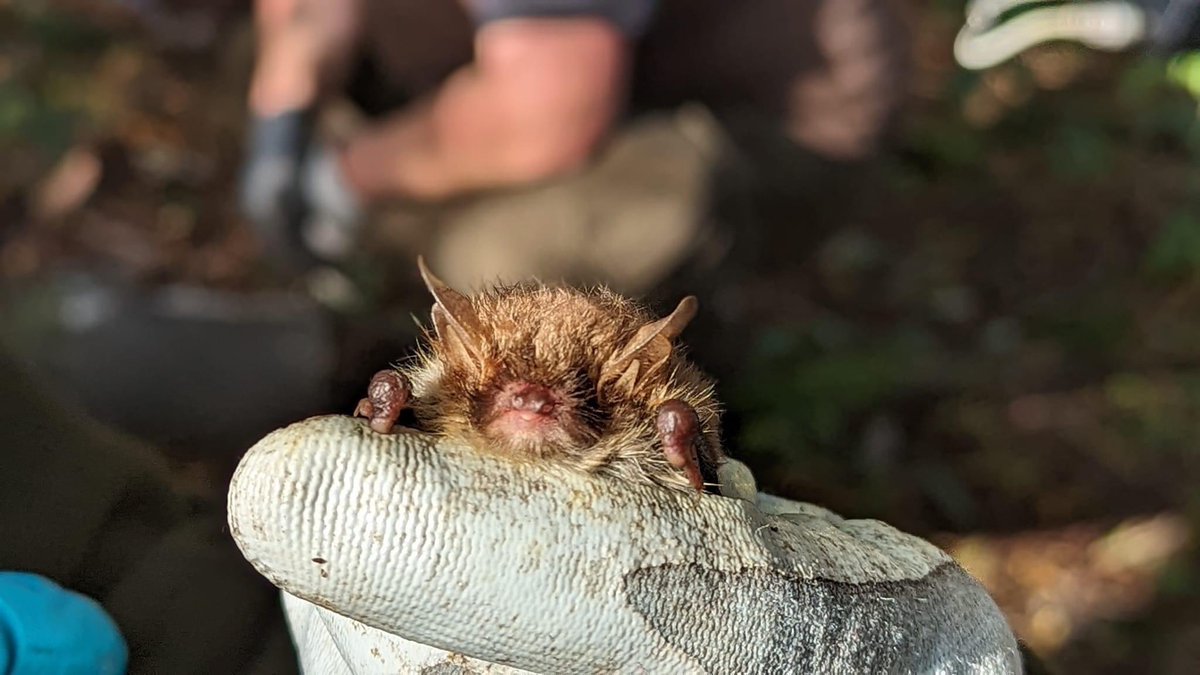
x: 534, y: 370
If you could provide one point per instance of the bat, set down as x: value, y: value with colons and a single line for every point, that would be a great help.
x: 537, y: 372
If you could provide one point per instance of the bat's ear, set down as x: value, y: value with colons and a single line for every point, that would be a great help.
x: 650, y: 346
x: 454, y: 318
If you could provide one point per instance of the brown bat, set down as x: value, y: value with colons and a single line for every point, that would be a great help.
x: 585, y: 378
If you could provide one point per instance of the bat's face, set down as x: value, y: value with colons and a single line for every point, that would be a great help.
x: 540, y: 369
x: 533, y: 416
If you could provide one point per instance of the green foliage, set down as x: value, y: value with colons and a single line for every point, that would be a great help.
x: 39, y: 95
x: 948, y: 146
x: 56, y: 30
x: 26, y: 117
x: 1090, y: 329
x: 1141, y: 81
x: 1175, y: 251
x: 1080, y: 151
x: 804, y: 394
x: 1157, y: 412
x: 1185, y: 71
x: 17, y: 107
x: 32, y: 136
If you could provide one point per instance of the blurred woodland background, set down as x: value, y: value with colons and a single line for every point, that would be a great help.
x: 997, y: 349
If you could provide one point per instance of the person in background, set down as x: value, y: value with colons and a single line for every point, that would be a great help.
x: 508, y: 93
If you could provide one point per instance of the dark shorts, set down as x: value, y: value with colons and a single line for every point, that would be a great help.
x: 631, y: 16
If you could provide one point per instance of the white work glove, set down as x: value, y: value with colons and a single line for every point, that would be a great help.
x: 401, y: 552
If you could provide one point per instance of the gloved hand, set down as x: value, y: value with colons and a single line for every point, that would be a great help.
x: 396, y: 549
x: 45, y: 628
x: 996, y: 30
x: 293, y: 191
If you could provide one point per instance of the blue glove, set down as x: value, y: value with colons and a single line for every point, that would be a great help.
x: 46, y: 629
x: 294, y: 193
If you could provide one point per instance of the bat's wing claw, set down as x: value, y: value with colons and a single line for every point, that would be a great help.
x: 388, y: 394
x: 678, y: 428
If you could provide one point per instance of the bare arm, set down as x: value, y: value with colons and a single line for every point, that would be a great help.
x: 535, y: 103
x: 303, y: 46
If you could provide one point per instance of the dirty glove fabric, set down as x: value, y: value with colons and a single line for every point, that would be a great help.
x: 389, y: 540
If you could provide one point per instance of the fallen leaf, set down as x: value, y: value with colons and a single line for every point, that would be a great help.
x: 67, y: 186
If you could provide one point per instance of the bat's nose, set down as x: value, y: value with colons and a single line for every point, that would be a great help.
x: 528, y: 397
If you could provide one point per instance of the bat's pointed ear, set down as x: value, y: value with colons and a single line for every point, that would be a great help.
x: 670, y: 327
x: 651, y: 345
x: 454, y: 317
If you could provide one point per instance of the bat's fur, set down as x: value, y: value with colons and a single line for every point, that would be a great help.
x: 562, y: 338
